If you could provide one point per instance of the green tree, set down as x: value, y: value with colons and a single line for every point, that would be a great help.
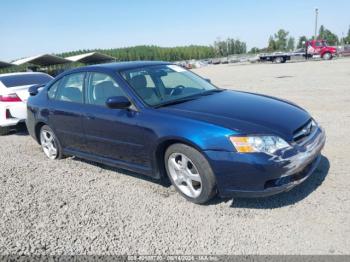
x: 229, y: 47
x: 281, y: 40
x: 254, y: 50
x: 330, y: 37
x: 291, y: 44
x: 271, y: 45
x: 301, y: 42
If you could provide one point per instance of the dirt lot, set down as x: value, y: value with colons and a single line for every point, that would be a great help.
x: 75, y: 207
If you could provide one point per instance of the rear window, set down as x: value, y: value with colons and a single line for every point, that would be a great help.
x: 23, y: 80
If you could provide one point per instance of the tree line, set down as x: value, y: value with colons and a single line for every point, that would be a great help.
x: 153, y: 53
x: 280, y: 41
x: 220, y: 48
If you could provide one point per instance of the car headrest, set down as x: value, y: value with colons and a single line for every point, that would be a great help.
x: 72, y: 94
x: 104, y: 90
x: 139, y: 82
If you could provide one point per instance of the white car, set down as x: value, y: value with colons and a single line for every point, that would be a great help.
x: 13, y: 97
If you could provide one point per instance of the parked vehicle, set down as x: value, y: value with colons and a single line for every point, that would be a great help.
x: 161, y: 120
x: 344, y: 50
x: 315, y: 48
x: 13, y: 97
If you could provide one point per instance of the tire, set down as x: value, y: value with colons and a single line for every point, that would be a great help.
x: 280, y: 60
x: 5, y: 130
x: 190, y: 173
x: 327, y: 56
x: 49, y: 142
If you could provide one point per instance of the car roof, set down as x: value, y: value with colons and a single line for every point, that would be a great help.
x: 119, y: 66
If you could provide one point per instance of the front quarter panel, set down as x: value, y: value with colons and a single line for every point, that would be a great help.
x: 159, y: 128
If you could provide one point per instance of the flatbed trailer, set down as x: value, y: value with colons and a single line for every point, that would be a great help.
x: 275, y: 57
x: 316, y: 48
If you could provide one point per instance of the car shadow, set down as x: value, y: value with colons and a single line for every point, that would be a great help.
x: 19, y: 130
x: 287, y: 198
x: 163, y: 182
x: 284, y: 199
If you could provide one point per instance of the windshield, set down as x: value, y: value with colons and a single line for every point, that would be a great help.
x: 25, y: 79
x: 163, y: 84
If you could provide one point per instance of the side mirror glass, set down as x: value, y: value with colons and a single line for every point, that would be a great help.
x: 118, y: 102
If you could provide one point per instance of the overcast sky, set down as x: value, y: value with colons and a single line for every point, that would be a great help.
x: 39, y: 26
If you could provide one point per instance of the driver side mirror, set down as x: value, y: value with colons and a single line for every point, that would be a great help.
x: 208, y: 80
x: 35, y: 89
x: 118, y: 102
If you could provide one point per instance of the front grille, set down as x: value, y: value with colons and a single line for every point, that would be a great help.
x: 303, y: 132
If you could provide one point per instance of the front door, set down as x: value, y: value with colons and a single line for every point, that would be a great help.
x: 111, y: 133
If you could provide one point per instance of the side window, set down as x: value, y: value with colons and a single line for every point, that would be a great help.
x: 100, y: 87
x: 51, y: 93
x: 71, y: 89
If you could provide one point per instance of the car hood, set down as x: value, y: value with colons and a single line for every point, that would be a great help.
x: 245, y: 113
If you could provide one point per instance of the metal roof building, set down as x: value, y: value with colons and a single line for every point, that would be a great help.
x: 91, y: 58
x: 42, y: 60
x: 5, y: 64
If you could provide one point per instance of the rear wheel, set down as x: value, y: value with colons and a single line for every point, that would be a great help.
x: 5, y: 130
x: 190, y: 173
x: 49, y: 143
x: 279, y: 60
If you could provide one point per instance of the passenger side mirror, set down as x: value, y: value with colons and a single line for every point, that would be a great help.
x: 118, y: 102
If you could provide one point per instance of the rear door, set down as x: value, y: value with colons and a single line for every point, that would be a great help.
x: 65, y: 110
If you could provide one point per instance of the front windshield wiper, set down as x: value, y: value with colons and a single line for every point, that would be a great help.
x: 174, y: 102
x: 212, y: 91
x: 189, y: 98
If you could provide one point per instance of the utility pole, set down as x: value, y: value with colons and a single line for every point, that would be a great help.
x: 316, y: 17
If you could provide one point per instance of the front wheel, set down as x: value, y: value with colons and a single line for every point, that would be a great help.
x: 49, y: 143
x: 190, y: 173
x: 327, y: 56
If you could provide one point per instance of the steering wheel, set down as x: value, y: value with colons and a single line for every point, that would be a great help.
x: 177, y: 90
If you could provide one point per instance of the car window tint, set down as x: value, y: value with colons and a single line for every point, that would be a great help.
x: 51, y: 93
x: 149, y: 82
x: 25, y: 79
x: 172, y: 79
x: 100, y: 87
x: 71, y: 89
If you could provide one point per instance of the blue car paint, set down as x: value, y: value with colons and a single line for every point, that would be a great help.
x: 132, y: 139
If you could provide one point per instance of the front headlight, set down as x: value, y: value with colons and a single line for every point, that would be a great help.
x: 263, y: 144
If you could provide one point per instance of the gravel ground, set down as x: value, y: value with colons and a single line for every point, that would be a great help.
x: 77, y: 207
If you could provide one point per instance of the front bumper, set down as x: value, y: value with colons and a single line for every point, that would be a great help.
x: 258, y: 174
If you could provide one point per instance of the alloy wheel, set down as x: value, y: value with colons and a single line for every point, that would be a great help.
x: 48, y: 144
x: 185, y: 175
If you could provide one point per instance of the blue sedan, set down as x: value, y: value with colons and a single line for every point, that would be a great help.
x: 160, y: 120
